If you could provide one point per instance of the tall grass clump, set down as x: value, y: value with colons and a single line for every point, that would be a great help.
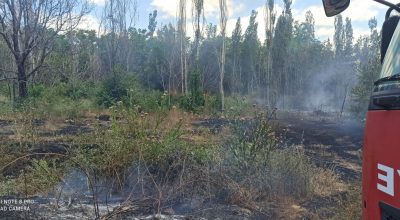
x: 136, y: 138
x: 260, y: 161
x: 350, y: 207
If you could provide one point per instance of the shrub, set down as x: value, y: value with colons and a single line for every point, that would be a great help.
x: 139, y: 140
x: 83, y: 90
x: 212, y: 104
x: 238, y: 106
x: 119, y: 87
x: 126, y: 90
x: 37, y: 91
x: 151, y: 101
x: 259, y: 161
x: 65, y: 100
x: 196, y: 90
x: 193, y: 101
x: 254, y: 142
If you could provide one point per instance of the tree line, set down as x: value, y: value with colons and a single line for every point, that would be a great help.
x: 290, y: 68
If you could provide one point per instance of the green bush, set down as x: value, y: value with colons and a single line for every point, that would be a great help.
x: 259, y: 161
x: 114, y: 151
x: 237, y: 106
x: 212, y: 103
x: 37, y: 91
x: 65, y: 100
x: 193, y: 101
x: 119, y: 87
x: 196, y: 90
x: 81, y: 90
x: 151, y: 101
x: 254, y: 143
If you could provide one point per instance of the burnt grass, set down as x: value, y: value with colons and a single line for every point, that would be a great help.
x: 338, y: 138
x: 329, y: 142
x: 342, y: 139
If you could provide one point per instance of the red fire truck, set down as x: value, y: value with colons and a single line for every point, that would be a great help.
x: 381, y: 150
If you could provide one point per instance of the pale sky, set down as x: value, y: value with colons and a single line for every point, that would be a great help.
x: 360, y: 11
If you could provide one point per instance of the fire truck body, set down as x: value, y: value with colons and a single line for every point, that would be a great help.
x: 381, y: 148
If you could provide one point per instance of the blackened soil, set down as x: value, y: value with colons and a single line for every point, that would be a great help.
x: 215, y: 125
x: 329, y: 142
x: 71, y: 128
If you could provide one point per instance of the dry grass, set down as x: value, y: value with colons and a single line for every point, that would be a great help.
x: 350, y: 207
x: 175, y: 160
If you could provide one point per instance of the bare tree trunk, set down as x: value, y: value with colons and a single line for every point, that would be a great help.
x: 234, y: 79
x: 344, y: 100
x: 223, y: 20
x: 182, y: 34
x: 221, y: 80
x: 269, y: 18
x: 169, y: 78
x: 22, y: 82
x: 186, y: 71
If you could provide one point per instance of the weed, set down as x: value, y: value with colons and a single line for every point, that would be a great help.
x: 254, y: 142
x: 38, y: 177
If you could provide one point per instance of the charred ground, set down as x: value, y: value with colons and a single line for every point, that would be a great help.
x: 327, y: 143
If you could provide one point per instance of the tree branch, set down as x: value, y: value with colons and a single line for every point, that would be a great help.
x: 6, y: 79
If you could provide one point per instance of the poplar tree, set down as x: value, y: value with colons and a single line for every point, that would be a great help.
x: 280, y: 51
x: 182, y: 38
x: 222, y: 20
x: 198, y: 23
x: 269, y: 18
x: 248, y: 53
x: 339, y: 37
x: 236, y: 44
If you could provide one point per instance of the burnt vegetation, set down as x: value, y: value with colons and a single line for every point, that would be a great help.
x: 122, y: 122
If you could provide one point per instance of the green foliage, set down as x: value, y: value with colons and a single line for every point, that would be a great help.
x: 81, y: 90
x: 260, y: 161
x: 124, y: 88
x: 153, y: 101
x: 195, y: 99
x: 249, y: 52
x: 254, y: 142
x: 339, y: 38
x: 37, y: 91
x: 41, y: 176
x: 139, y: 140
x: 62, y: 99
x: 238, y: 106
x: 117, y: 88
x: 368, y: 69
x: 212, y: 104
x: 280, y: 53
x: 196, y: 90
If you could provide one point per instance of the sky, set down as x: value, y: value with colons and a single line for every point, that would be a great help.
x: 359, y: 11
